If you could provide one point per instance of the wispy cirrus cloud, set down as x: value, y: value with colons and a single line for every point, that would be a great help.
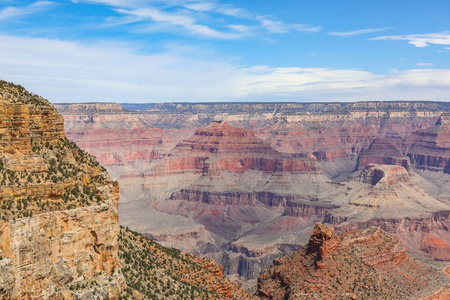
x: 423, y: 64
x: 19, y: 11
x: 179, y: 19
x: 203, y: 18
x: 419, y: 40
x: 357, y: 32
x: 306, y: 28
x: 280, y: 27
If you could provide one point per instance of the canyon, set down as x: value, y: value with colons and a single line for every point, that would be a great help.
x: 218, y: 185
x: 244, y: 183
x: 59, y: 225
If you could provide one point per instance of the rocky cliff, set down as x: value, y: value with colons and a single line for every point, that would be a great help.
x: 358, y: 264
x: 383, y: 152
x: 59, y: 216
x: 429, y: 149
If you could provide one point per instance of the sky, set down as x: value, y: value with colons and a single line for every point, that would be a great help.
x: 147, y: 51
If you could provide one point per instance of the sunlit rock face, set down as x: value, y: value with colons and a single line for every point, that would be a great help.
x: 355, y: 264
x: 59, y: 218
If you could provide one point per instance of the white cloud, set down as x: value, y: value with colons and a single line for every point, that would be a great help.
x: 357, y: 32
x: 198, y: 17
x: 206, y: 6
x: 306, y: 28
x: 179, y: 19
x: 274, y: 26
x: 280, y: 27
x: 13, y: 11
x: 420, y: 40
x: 201, y: 6
x: 71, y: 72
x: 425, y: 64
x: 241, y: 28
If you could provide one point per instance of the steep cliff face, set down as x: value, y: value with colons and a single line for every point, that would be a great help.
x: 357, y: 264
x: 382, y: 151
x: 429, y: 149
x: 59, y: 218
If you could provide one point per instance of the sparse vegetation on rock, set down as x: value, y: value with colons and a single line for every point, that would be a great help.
x: 156, y: 272
x: 58, y: 216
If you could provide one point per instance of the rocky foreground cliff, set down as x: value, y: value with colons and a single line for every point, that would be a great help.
x: 59, y: 218
x: 357, y: 264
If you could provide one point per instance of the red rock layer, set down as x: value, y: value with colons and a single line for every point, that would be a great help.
x: 358, y: 264
x: 115, y: 138
x: 233, y: 149
x: 382, y: 151
x: 429, y: 235
x: 429, y: 149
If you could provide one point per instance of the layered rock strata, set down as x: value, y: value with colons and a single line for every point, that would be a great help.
x: 385, y: 196
x: 59, y: 217
x: 364, y: 263
x: 223, y: 182
x: 382, y: 151
x: 429, y: 149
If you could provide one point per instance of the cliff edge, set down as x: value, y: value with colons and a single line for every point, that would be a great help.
x: 59, y: 221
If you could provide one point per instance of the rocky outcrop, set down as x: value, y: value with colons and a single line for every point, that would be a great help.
x: 364, y: 263
x: 386, y: 192
x: 322, y: 241
x: 382, y: 151
x: 384, y: 196
x: 59, y: 218
x: 429, y: 149
x: 58, y: 250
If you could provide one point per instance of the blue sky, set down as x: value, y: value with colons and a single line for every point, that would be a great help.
x: 209, y: 50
